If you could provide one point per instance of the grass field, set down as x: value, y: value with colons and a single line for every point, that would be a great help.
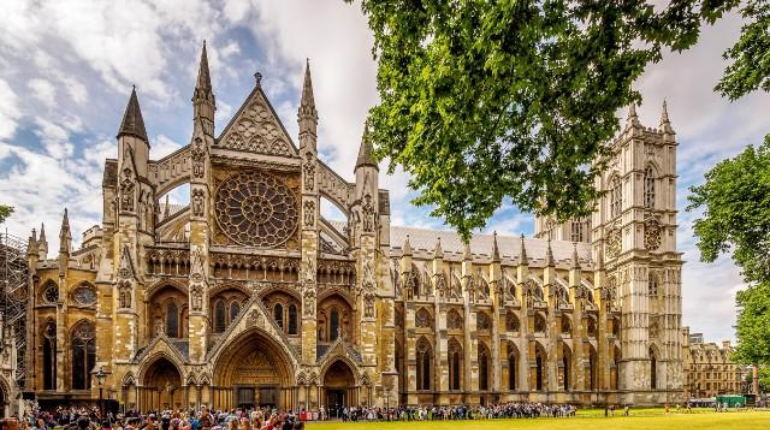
x: 645, y: 419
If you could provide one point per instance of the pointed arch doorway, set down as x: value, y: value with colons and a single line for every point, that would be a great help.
x: 339, y: 388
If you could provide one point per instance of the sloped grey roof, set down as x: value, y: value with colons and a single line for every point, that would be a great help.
x: 423, y: 242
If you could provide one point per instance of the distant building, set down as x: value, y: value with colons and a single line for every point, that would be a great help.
x: 708, y: 369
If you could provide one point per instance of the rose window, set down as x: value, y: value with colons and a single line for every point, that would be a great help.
x: 256, y: 209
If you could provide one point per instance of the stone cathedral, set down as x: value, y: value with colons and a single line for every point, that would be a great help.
x: 249, y: 296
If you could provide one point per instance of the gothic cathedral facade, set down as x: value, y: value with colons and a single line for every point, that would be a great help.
x: 249, y: 296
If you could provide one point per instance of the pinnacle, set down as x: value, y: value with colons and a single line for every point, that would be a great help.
x: 549, y: 260
x: 495, y: 249
x: 407, y: 247
x: 204, y: 76
x: 575, y: 259
x: 665, y: 122
x: 633, y: 118
x: 133, y: 123
x: 366, y: 150
x: 523, y: 259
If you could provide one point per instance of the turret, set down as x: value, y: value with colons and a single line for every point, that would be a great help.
x: 665, y: 124
x: 65, y: 235
x: 523, y: 268
x: 32, y: 248
x: 42, y: 244
x: 204, y: 103
x: 307, y: 115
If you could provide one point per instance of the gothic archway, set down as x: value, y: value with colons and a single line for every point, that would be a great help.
x: 339, y: 387
x: 161, y: 386
x: 253, y: 370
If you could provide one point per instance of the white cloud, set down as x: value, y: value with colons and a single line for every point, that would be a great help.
x: 163, y: 146
x: 44, y: 91
x: 9, y: 110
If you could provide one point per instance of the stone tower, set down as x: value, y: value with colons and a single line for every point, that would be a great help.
x: 634, y: 235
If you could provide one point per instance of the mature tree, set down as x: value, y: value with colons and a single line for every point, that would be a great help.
x: 5, y: 212
x: 751, y: 67
x: 736, y: 218
x: 484, y: 101
x: 753, y: 327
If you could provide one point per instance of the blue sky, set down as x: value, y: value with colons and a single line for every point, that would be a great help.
x: 67, y: 66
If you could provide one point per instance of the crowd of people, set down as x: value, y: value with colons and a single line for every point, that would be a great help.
x: 82, y: 418
x: 424, y: 413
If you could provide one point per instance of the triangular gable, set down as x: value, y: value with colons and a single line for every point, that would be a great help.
x: 161, y: 345
x: 254, y: 315
x: 256, y: 128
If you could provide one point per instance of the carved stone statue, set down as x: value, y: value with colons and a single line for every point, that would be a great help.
x: 309, y: 215
x: 198, y: 204
x: 368, y: 210
x: 309, y: 169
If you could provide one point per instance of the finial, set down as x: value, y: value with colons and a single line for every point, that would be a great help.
x: 632, y: 119
x: 665, y: 123
x: 495, y: 249
x: 438, y: 252
x: 549, y: 261
x: 42, y: 232
x: 366, y: 150
x: 523, y: 260
x: 258, y: 78
x: 467, y: 255
x: 575, y: 259
x: 407, y: 246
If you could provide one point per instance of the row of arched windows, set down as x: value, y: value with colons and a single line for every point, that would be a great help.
x: 616, y: 193
x: 455, y: 357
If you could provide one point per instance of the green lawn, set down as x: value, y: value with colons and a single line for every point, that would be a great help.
x: 643, y: 419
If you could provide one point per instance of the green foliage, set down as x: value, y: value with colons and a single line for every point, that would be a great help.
x: 736, y: 203
x: 5, y: 212
x: 753, y: 325
x: 736, y: 218
x: 484, y: 101
x: 751, y: 67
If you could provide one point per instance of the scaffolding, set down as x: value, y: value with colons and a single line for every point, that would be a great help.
x: 14, y: 280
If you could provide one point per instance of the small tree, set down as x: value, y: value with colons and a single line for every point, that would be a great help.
x: 5, y: 212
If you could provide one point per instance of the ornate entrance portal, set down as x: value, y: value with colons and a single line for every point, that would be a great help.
x: 340, y: 389
x: 253, y: 371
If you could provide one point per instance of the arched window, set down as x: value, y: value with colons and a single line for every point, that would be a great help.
x: 616, y: 197
x: 172, y: 320
x: 83, y: 355
x: 652, y: 286
x: 566, y: 327
x: 483, y: 322
x: 49, y: 356
x: 565, y: 361
x: 649, y: 188
x: 278, y: 314
x: 220, y: 316
x: 539, y: 372
x: 511, y: 322
x: 512, y: 368
x: 483, y: 367
x: 539, y: 324
x: 653, y: 370
x: 455, y: 364
x: 576, y: 231
x: 423, y: 319
x: 593, y: 374
x: 235, y: 309
x: 334, y: 325
x: 424, y: 367
x: 292, y: 319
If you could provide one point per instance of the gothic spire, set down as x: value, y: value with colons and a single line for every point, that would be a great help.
x: 467, y: 254
x: 307, y: 104
x: 575, y: 258
x: 407, y: 246
x: 549, y: 260
x: 633, y: 118
x: 204, y: 76
x: 42, y: 233
x: 495, y: 249
x: 366, y: 151
x: 523, y: 260
x: 133, y: 123
x: 65, y: 236
x: 438, y: 252
x: 665, y: 123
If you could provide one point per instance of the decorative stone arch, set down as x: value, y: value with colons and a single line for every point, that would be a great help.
x: 425, y: 364
x: 423, y: 318
x: 81, y: 339
x: 44, y: 286
x: 161, y: 284
x: 512, y: 322
x: 336, y: 291
x: 329, y: 361
x: 339, y: 204
x: 455, y: 319
x: 565, y: 366
x: 6, y: 394
x: 219, y: 288
x: 75, y: 289
x: 149, y: 360
x: 279, y: 288
x: 566, y: 323
x: 483, y: 320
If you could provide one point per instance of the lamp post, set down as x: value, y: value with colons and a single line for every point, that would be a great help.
x: 100, y: 377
